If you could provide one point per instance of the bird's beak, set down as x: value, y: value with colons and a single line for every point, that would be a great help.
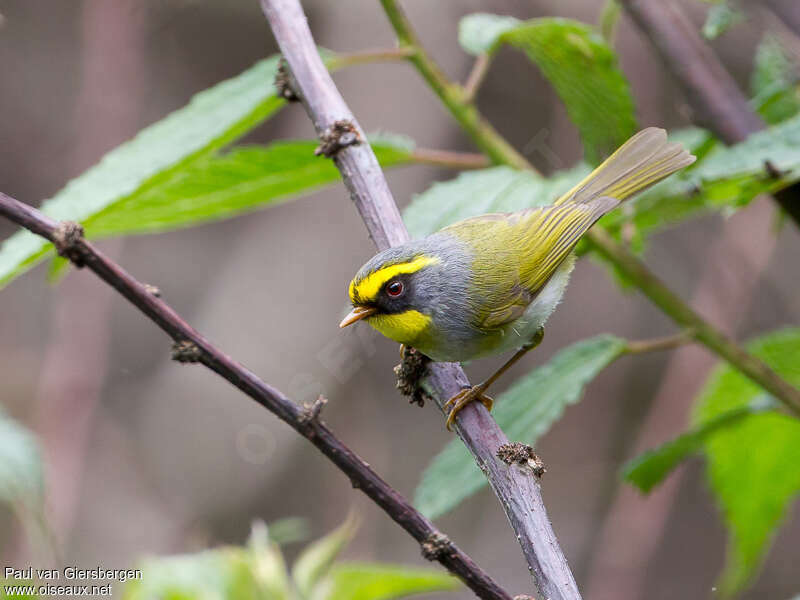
x: 358, y: 313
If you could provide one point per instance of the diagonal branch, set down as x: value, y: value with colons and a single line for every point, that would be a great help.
x: 191, y: 346
x: 518, y: 491
x: 717, y: 102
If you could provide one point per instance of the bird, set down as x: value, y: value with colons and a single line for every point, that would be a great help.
x: 487, y: 285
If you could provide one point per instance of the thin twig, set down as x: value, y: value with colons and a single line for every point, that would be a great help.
x: 367, y: 56
x: 301, y: 419
x: 519, y: 493
x: 447, y: 158
x: 476, y: 76
x: 668, y: 342
x: 617, y: 254
x: 452, y: 95
x: 716, y: 101
x: 703, y: 331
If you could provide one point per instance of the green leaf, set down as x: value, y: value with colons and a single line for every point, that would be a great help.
x: 724, y: 178
x: 775, y: 83
x: 21, y: 472
x: 721, y: 17
x: 212, y: 119
x: 578, y: 63
x: 650, y: 468
x: 227, y: 573
x: 316, y: 560
x: 369, y: 581
x: 289, y: 531
x: 479, y: 33
x: 218, y: 187
x: 752, y: 464
x: 525, y: 412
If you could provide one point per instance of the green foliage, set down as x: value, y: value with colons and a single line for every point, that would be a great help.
x: 752, y: 463
x: 258, y: 572
x: 578, y: 63
x: 496, y: 189
x: 525, y: 412
x: 774, y: 84
x: 217, y: 187
x: 316, y: 560
x: 724, y: 178
x: 213, y: 118
x: 722, y: 16
x: 366, y: 581
x: 650, y: 468
x: 21, y: 474
x: 481, y: 33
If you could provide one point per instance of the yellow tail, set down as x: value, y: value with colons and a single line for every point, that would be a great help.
x: 642, y: 161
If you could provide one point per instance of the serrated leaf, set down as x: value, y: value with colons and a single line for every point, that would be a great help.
x: 752, y: 465
x: 579, y: 64
x: 316, y: 560
x: 774, y: 84
x: 212, y: 119
x: 721, y: 17
x: 525, y: 412
x: 651, y: 467
x: 218, y: 187
x: 371, y: 581
x: 21, y: 471
x: 725, y: 178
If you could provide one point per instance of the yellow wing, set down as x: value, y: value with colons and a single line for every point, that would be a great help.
x: 515, y: 254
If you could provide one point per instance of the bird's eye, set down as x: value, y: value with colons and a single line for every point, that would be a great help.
x: 394, y: 289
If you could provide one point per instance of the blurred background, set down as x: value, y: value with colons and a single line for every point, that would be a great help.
x: 145, y: 456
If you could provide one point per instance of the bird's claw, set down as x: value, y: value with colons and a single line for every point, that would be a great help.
x: 461, y: 399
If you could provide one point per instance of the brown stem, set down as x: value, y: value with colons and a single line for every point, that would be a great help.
x: 668, y: 342
x: 370, y: 55
x: 518, y: 492
x: 476, y: 77
x: 447, y: 158
x: 717, y: 102
x: 194, y: 347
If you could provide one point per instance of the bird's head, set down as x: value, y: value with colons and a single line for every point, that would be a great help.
x: 393, y: 292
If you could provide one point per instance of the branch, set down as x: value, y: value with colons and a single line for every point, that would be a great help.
x: 617, y: 254
x: 453, y: 95
x: 191, y: 346
x: 448, y: 158
x: 518, y: 491
x: 476, y: 77
x: 669, y: 342
x: 368, y: 56
x: 717, y: 102
x: 702, y: 331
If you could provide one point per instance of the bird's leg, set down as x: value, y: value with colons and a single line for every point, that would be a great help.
x: 477, y: 392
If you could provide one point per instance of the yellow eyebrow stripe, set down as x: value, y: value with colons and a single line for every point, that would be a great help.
x: 368, y: 288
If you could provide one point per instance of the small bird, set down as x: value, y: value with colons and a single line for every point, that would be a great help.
x: 488, y: 284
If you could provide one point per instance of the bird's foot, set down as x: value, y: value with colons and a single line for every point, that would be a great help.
x: 461, y: 399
